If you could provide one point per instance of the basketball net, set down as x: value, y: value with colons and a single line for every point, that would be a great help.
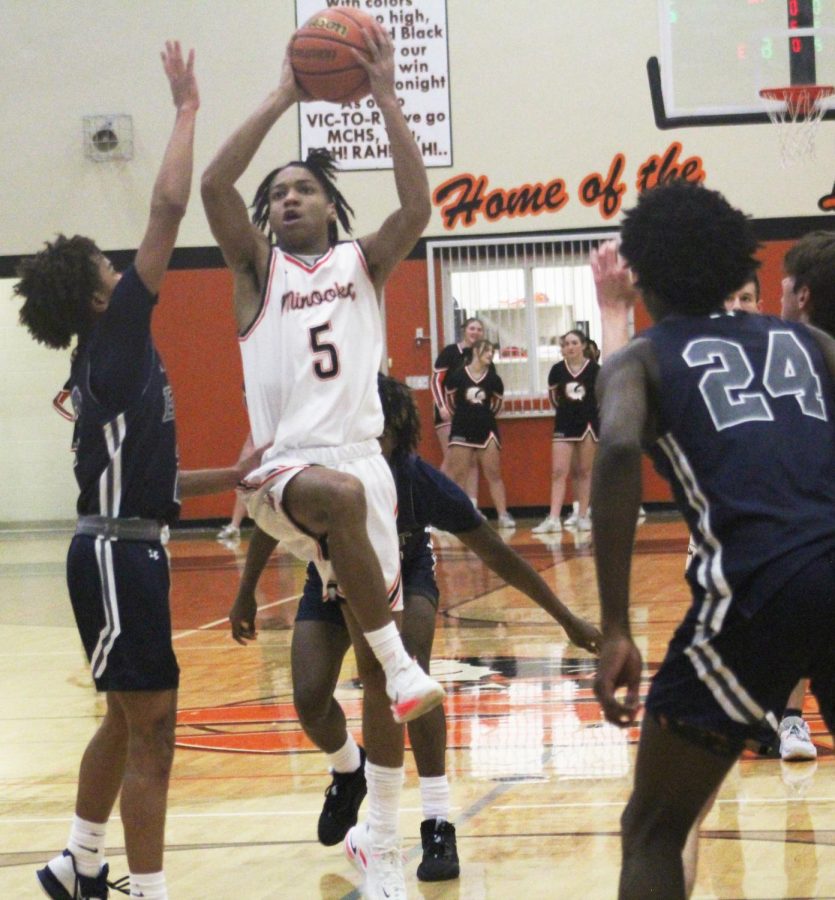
x: 797, y: 112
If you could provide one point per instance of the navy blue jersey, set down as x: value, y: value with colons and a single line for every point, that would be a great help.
x: 425, y: 497
x: 124, y: 440
x: 747, y: 441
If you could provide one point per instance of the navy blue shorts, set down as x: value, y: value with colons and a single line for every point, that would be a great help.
x: 735, y: 685
x: 312, y: 608
x: 418, y: 578
x: 119, y: 593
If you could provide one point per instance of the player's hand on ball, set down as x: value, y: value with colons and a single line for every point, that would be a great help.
x: 380, y: 63
x: 287, y: 82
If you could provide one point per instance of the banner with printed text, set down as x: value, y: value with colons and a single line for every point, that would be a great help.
x: 354, y: 132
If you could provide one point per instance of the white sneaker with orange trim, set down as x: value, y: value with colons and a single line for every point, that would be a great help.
x: 412, y: 692
x: 381, y: 865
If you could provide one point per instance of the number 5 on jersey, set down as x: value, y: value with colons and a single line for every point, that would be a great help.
x: 327, y: 363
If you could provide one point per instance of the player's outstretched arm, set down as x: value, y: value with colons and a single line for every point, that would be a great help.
x: 244, y: 609
x: 518, y: 573
x: 616, y: 296
x: 198, y: 482
x: 401, y: 230
x: 169, y: 198
x: 616, y: 496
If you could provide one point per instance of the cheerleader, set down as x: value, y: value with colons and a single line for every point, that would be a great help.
x: 452, y: 357
x: 571, y: 390
x: 474, y: 394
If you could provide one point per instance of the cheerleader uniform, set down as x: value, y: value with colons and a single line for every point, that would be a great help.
x: 572, y: 395
x: 474, y: 401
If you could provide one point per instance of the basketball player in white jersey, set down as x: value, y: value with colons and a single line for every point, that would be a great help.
x: 311, y: 341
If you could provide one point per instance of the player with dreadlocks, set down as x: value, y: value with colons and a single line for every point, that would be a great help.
x: 425, y: 497
x: 311, y: 341
x: 321, y: 165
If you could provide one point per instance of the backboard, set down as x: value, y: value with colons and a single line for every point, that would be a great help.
x: 716, y: 55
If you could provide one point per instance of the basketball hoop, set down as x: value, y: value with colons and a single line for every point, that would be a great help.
x: 797, y: 112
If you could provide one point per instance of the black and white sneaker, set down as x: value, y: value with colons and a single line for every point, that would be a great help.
x: 342, y: 803
x: 440, y: 851
x: 77, y: 886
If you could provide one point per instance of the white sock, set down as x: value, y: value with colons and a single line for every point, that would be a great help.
x: 387, y: 646
x: 434, y: 797
x: 474, y: 501
x: 347, y: 757
x: 384, y: 786
x: 86, y: 843
x: 150, y: 886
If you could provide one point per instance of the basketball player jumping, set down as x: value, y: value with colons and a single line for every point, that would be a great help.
x: 425, y: 497
x: 718, y: 401
x: 311, y: 341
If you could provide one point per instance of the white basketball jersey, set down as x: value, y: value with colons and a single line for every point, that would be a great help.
x: 311, y: 357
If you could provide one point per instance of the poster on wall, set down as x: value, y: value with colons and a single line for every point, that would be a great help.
x: 354, y: 132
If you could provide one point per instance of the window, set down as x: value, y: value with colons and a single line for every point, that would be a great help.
x: 527, y: 293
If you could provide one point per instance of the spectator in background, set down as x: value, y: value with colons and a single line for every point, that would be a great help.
x: 746, y: 298
x: 452, y: 357
x: 474, y: 393
x: 571, y: 391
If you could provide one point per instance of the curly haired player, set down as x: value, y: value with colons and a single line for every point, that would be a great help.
x: 718, y: 400
x: 126, y: 468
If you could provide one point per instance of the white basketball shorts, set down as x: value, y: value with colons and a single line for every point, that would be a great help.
x: 264, y: 488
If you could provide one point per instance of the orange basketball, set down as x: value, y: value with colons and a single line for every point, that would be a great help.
x: 320, y: 53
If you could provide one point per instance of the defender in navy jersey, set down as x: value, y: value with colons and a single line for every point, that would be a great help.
x: 126, y: 468
x: 737, y: 412
x: 124, y: 438
x: 425, y: 497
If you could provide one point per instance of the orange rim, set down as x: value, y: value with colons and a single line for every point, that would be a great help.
x: 799, y: 98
